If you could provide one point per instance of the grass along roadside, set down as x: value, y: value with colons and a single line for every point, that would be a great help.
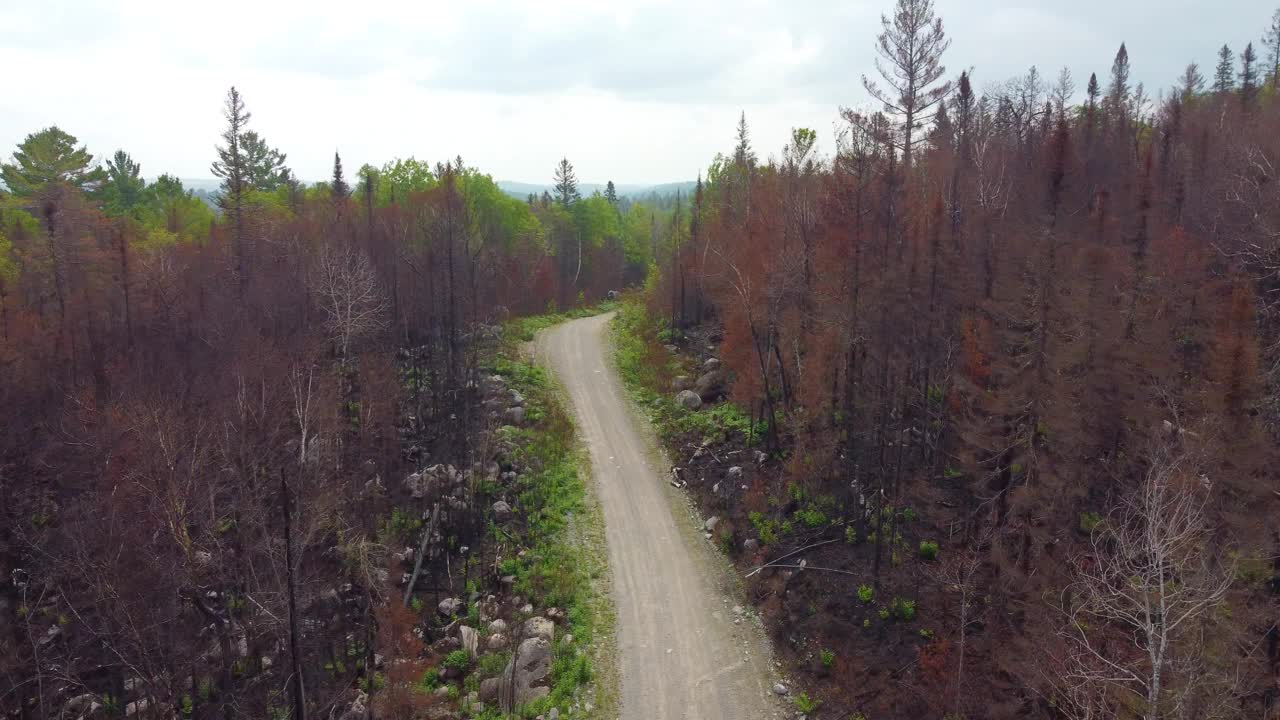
x: 525, y: 329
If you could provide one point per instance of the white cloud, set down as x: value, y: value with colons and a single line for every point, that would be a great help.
x: 645, y: 91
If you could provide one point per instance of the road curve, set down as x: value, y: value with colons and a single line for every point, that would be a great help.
x: 681, y: 655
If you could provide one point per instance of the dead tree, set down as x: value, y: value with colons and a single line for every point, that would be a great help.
x: 350, y: 296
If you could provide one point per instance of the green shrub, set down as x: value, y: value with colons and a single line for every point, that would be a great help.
x: 866, y: 593
x: 811, y: 517
x: 457, y: 660
x: 926, y: 633
x: 827, y: 657
x: 928, y: 550
x: 850, y: 535
x: 883, y: 613
x: 804, y: 705
x: 1089, y: 521
x: 903, y: 609
x: 766, y: 529
x: 493, y: 664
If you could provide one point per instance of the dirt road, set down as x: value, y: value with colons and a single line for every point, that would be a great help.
x: 681, y: 654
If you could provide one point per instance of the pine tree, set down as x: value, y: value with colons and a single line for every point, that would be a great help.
x: 910, y: 47
x: 50, y: 157
x: 743, y: 155
x: 1248, y: 76
x: 1118, y: 92
x: 566, y: 184
x: 1271, y: 40
x: 125, y: 186
x: 232, y: 167
x: 338, y: 188
x: 611, y: 193
x: 264, y: 164
x: 1224, y: 78
x: 1191, y: 83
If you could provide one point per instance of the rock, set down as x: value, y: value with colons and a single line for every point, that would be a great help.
x: 539, y: 627
x: 710, y: 385
x: 672, y: 349
x: 612, y: 295
x: 516, y: 397
x: 530, y: 666
x: 735, y: 472
x: 497, y: 641
x: 556, y: 614
x: 498, y: 626
x: 751, y: 544
x: 710, y: 524
x: 527, y: 609
x: 442, y: 691
x: 470, y: 640
x: 489, y: 688
x: 681, y: 382
x: 689, y: 399
x: 473, y: 697
x: 514, y: 416
x: 135, y: 707
x: 419, y: 485
x: 501, y: 511
x: 358, y: 710
x: 79, y: 705
x: 779, y: 689
x: 761, y: 457
x: 449, y: 607
x: 554, y: 714
x: 567, y: 640
x: 203, y: 557
x: 53, y: 633
x: 404, y: 556
x: 711, y: 364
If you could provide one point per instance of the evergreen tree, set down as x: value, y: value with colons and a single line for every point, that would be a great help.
x: 264, y: 164
x: 910, y: 47
x: 1248, y: 76
x: 231, y: 166
x: 1191, y: 83
x: 1224, y: 78
x: 743, y: 155
x: 1271, y: 40
x: 1118, y: 92
x: 566, y: 184
x: 611, y: 194
x: 125, y: 187
x: 47, y: 157
x: 338, y: 188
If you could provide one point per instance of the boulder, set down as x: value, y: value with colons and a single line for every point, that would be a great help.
x: 689, y: 399
x: 489, y: 688
x: 497, y: 641
x: 710, y: 364
x: 358, y: 709
x: 751, y: 544
x: 498, y: 626
x: 449, y: 607
x: 470, y: 640
x: 710, y: 385
x: 735, y: 472
x: 516, y: 397
x: 761, y: 457
x: 710, y: 524
x: 612, y: 295
x: 514, y: 416
x: 53, y: 633
x: 418, y: 485
x: 501, y: 511
x: 529, y: 667
x: 779, y: 689
x: 681, y: 382
x: 79, y: 705
x: 136, y: 707
x: 539, y: 627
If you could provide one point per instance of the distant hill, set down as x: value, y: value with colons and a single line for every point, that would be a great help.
x: 522, y: 190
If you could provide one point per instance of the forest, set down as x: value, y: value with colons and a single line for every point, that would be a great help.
x: 1000, y: 372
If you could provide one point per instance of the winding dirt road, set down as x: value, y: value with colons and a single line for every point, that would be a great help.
x: 682, y: 657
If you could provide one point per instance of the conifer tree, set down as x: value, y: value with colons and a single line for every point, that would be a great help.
x: 1224, y: 77
x: 743, y: 155
x: 1248, y: 76
x: 910, y: 47
x: 566, y: 184
x: 1191, y: 83
x: 1271, y: 41
x: 338, y: 189
x: 232, y: 167
x: 611, y: 193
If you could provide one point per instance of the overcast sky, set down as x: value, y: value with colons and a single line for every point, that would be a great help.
x: 645, y: 91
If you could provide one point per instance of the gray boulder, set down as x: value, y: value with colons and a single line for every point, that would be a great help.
x: 449, y: 606
x: 470, y: 640
x: 710, y: 365
x: 539, y: 627
x: 711, y: 523
x: 681, y: 382
x: 514, y: 416
x: 710, y: 385
x: 689, y: 399
x: 501, y: 511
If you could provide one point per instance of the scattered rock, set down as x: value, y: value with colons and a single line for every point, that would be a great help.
x: 710, y: 385
x: 681, y: 382
x: 79, y: 704
x: 497, y: 641
x: 418, y: 485
x: 516, y: 398
x: 567, y: 640
x: 761, y: 457
x: 489, y: 688
x: 710, y: 365
x: 554, y: 714
x: 203, y: 557
x: 50, y: 635
x: 612, y: 295
x: 135, y: 707
x: 498, y: 626
x: 710, y: 524
x: 735, y: 472
x: 442, y: 691
x: 672, y: 349
x: 539, y: 627
x: 689, y: 399
x: 530, y: 666
x: 449, y: 606
x: 501, y: 511
x: 779, y: 689
x: 751, y: 544
x: 514, y: 416
x: 470, y: 640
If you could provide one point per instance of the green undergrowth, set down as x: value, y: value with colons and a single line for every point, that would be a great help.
x: 524, y: 329
x: 564, y: 564
x: 647, y: 370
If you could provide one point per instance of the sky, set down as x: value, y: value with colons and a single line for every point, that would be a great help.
x: 641, y: 92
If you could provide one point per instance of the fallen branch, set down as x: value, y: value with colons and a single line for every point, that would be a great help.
x: 422, y: 551
x: 809, y: 567
x: 772, y: 563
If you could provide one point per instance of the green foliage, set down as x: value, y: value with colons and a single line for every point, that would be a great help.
x: 50, y: 156
x: 430, y: 679
x: 926, y: 633
x: 805, y: 705
x: 902, y: 609
x: 766, y: 528
x: 883, y: 613
x: 811, y: 517
x: 866, y: 593
x: 1089, y: 521
x: 399, y: 525
x: 850, y: 535
x: 458, y: 660
x: 928, y: 550
x: 493, y: 664
x: 827, y: 658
